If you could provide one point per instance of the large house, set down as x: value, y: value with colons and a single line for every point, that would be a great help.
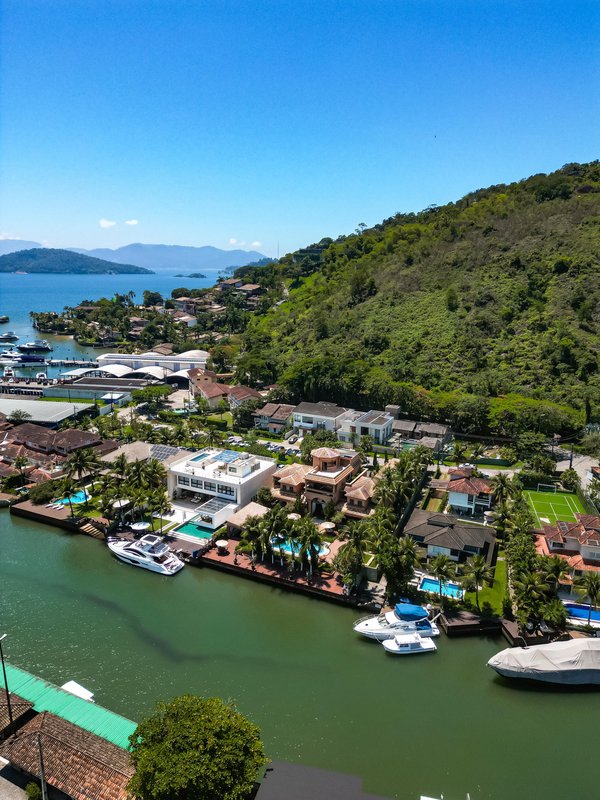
x: 376, y: 424
x: 359, y: 498
x: 445, y: 534
x: 220, y: 481
x: 467, y: 493
x: 241, y: 394
x: 577, y: 542
x: 310, y: 417
x: 273, y: 417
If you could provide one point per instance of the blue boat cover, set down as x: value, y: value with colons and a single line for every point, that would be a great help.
x: 409, y: 612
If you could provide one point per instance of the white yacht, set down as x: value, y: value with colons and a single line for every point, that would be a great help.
x: 407, y: 644
x: 8, y: 336
x: 405, y: 618
x: 37, y: 346
x: 149, y: 552
x: 575, y: 661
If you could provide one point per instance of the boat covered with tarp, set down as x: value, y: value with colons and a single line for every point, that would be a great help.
x: 576, y: 661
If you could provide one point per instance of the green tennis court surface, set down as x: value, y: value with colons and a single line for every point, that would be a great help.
x: 548, y: 507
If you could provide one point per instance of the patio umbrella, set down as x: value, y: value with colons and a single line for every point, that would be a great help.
x: 120, y: 503
x: 140, y: 526
x: 294, y: 516
x: 326, y: 526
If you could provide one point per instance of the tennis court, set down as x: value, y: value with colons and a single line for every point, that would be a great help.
x: 549, y: 507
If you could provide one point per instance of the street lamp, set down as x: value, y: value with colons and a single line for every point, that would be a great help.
x: 10, y: 716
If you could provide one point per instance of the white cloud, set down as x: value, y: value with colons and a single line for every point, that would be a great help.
x: 106, y: 223
x: 233, y: 240
x: 256, y: 244
x: 9, y: 236
x: 131, y: 221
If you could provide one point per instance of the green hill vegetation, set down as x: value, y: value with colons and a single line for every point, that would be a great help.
x: 484, y: 312
x: 42, y: 259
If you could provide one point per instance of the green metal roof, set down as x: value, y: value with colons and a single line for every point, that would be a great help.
x: 47, y: 697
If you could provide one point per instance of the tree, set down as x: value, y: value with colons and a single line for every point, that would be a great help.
x: 194, y: 748
x: 152, y: 298
x: 68, y: 487
x: 503, y: 488
x: 20, y: 463
x: 18, y: 417
x: 477, y: 572
x: 309, y: 540
x: 555, y: 568
x: 442, y: 568
x: 458, y: 452
x: 265, y: 497
x: 588, y: 586
x: 570, y: 480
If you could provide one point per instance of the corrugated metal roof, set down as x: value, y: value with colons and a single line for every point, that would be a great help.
x: 47, y: 697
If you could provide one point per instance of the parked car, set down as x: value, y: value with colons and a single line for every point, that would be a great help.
x: 293, y: 439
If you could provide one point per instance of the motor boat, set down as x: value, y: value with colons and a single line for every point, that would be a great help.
x: 8, y: 372
x: 8, y: 336
x: 41, y: 376
x: 408, y: 643
x: 37, y: 346
x: 405, y: 618
x: 576, y: 661
x: 149, y: 552
x: 20, y: 359
x: 4, y: 318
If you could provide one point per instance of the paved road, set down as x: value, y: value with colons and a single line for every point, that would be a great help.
x: 581, y: 465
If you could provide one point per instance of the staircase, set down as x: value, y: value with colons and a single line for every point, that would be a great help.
x: 92, y: 528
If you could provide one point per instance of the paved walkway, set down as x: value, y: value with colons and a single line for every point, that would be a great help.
x: 11, y: 783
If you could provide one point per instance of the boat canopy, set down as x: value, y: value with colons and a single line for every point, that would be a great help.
x: 410, y: 612
x: 566, y: 658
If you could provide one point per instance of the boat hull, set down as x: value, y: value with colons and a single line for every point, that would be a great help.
x: 160, y: 569
x: 380, y: 634
x: 584, y: 677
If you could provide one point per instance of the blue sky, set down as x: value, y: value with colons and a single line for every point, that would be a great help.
x: 221, y: 122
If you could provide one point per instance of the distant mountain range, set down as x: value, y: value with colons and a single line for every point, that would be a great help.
x: 157, y: 257
x: 55, y: 261
x: 160, y: 257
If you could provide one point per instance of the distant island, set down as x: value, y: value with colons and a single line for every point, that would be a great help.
x: 166, y: 257
x: 191, y: 275
x: 46, y: 260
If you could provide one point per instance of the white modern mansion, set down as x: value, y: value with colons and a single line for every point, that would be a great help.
x: 220, y: 481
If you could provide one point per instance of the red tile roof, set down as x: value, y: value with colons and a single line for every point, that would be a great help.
x: 585, y: 529
x: 470, y: 486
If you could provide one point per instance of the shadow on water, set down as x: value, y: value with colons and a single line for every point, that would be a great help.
x: 528, y: 685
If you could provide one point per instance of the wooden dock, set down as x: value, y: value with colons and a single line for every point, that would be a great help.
x: 466, y: 623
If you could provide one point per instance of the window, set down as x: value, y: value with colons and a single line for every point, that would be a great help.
x: 209, y: 486
x: 183, y: 481
x: 196, y: 484
x: 228, y: 490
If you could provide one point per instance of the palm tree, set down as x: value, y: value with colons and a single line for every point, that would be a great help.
x: 530, y: 592
x: 410, y: 554
x: 503, y: 488
x: 212, y: 437
x: 160, y: 505
x: 18, y: 417
x: 120, y: 467
x: 477, y: 451
x: 252, y: 532
x: 589, y: 586
x: 458, y: 452
x: 81, y: 462
x: 442, y: 568
x: 555, y: 569
x: 20, y: 463
x: 385, y: 490
x: 309, y: 540
x: 477, y: 572
x: 155, y: 475
x: 68, y: 487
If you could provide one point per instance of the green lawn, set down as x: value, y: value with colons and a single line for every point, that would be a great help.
x: 493, y: 594
x: 548, y: 507
x: 218, y: 417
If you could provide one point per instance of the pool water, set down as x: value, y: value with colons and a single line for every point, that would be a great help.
x: 288, y: 546
x: 201, y: 457
x: 193, y: 529
x: 448, y: 589
x: 76, y: 499
x: 581, y: 612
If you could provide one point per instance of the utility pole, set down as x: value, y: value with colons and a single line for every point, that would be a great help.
x: 571, y: 457
x: 8, y: 705
x: 42, y: 776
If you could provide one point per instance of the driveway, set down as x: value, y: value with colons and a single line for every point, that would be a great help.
x: 581, y: 465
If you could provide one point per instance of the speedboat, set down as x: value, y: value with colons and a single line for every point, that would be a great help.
x: 19, y: 359
x: 8, y: 372
x: 405, y: 618
x: 408, y: 643
x: 37, y: 346
x: 576, y: 661
x: 149, y: 552
x: 8, y: 336
x: 4, y: 318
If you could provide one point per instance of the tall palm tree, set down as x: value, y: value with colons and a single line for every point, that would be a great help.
x: 18, y: 416
x: 310, y: 542
x: 530, y: 590
x: 589, y: 586
x: 555, y: 568
x: 252, y: 532
x: 68, y: 487
x: 442, y: 568
x: 154, y: 474
x: 120, y: 467
x: 385, y: 490
x: 160, y: 505
x: 20, y: 463
x: 477, y: 572
x: 458, y: 452
x: 410, y: 554
x: 503, y: 488
x: 82, y: 462
x: 477, y: 452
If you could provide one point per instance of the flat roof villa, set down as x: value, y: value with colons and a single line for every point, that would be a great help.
x: 317, y: 416
x: 220, y: 481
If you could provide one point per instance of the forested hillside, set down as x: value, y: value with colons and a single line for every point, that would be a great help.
x: 51, y: 260
x: 470, y: 311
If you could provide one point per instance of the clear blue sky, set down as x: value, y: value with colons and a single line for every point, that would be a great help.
x: 258, y: 121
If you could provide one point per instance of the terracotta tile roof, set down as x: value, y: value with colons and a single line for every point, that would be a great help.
x: 279, y: 412
x: 210, y: 390
x: 460, y: 472
x: 361, y: 489
x: 78, y: 763
x: 241, y: 393
x: 6, y: 471
x: 238, y: 520
x: 292, y: 474
x: 585, y: 529
x: 18, y: 706
x: 574, y: 559
x: 470, y: 486
x: 325, y: 452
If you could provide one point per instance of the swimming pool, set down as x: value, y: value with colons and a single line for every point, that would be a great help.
x: 578, y: 612
x: 428, y: 584
x: 288, y: 546
x: 76, y: 499
x: 201, y: 457
x: 194, y: 529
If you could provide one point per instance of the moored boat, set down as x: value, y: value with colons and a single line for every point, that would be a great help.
x: 20, y: 359
x: 405, y: 618
x: 37, y: 346
x: 4, y: 318
x: 576, y: 661
x: 8, y: 336
x: 408, y: 644
x: 149, y: 552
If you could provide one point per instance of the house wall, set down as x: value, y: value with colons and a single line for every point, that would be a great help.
x: 459, y: 500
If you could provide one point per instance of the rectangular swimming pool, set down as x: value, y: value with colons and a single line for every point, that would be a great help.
x: 428, y: 584
x: 580, y: 611
x: 194, y: 529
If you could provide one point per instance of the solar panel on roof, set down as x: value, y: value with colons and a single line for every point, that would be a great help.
x: 162, y: 451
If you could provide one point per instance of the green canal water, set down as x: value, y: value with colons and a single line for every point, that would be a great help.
x: 430, y: 724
